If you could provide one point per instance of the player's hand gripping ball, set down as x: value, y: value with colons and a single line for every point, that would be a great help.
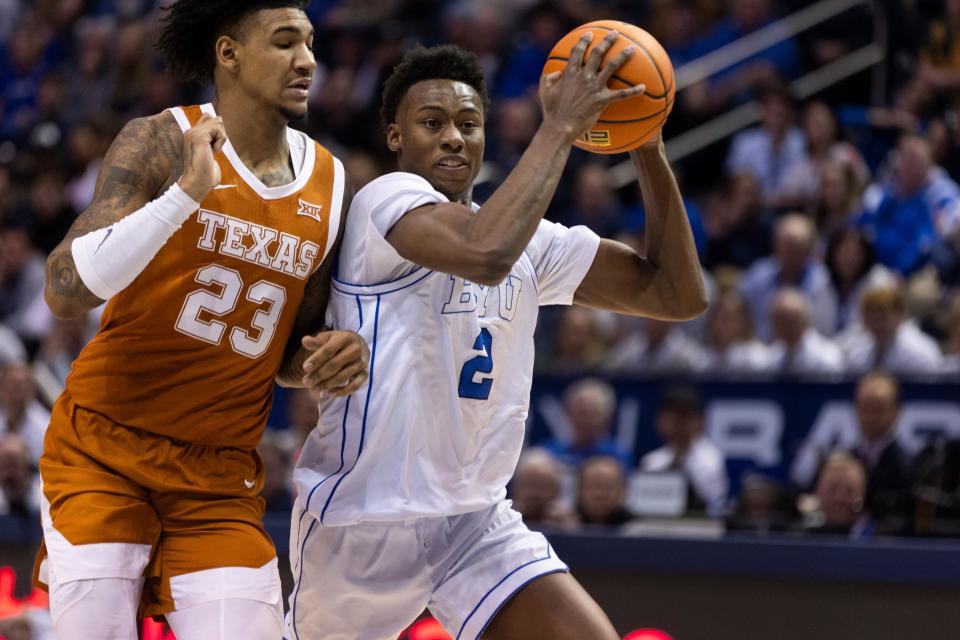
x: 626, y: 124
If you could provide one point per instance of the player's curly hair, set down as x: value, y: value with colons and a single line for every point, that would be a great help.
x: 443, y: 62
x: 191, y: 28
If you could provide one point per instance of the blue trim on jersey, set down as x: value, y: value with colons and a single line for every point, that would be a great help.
x: 375, y: 289
x: 343, y: 439
x: 378, y: 284
x: 486, y: 624
x: 494, y: 588
x: 366, y: 407
x: 296, y: 591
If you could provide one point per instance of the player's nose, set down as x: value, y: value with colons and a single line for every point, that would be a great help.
x: 451, y: 139
x: 305, y: 62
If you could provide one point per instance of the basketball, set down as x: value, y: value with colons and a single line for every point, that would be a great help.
x: 626, y: 124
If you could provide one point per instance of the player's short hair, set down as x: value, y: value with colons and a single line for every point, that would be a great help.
x: 191, y: 28
x: 443, y: 62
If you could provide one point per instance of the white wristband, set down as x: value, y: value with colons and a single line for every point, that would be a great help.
x: 109, y: 259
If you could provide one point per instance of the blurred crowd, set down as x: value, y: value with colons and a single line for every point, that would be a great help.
x: 829, y: 232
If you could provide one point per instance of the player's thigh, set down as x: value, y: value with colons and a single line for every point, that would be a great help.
x: 557, y: 606
x: 359, y: 582
x: 228, y: 618
x: 97, y: 522
x: 213, y: 547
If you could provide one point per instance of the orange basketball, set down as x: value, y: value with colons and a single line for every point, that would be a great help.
x: 629, y: 123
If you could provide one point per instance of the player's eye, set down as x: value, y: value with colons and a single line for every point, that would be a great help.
x: 431, y: 123
x: 284, y: 45
x: 469, y: 124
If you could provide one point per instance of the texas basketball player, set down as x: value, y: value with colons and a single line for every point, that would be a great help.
x: 210, y: 235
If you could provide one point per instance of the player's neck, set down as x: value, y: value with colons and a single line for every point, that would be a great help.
x: 258, y: 137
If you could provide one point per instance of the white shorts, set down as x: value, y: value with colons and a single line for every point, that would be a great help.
x: 371, y: 581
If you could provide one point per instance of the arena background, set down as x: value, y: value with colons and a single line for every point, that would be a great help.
x: 862, y: 99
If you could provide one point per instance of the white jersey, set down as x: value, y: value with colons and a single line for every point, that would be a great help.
x: 438, y: 428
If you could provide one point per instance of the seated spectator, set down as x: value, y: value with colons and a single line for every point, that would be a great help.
x: 853, y: 271
x: 11, y: 348
x: 793, y: 264
x: 595, y: 203
x: 679, y: 423
x: 838, y: 201
x: 840, y: 499
x: 275, y: 454
x: 21, y: 277
x: 951, y: 359
x: 914, y: 211
x: 889, y: 340
x: 535, y: 489
x: 936, y: 486
x: 887, y: 464
x: 602, y: 493
x: 937, y: 77
x: 577, y: 343
x: 63, y: 344
x: 772, y: 151
x: 736, y: 225
x: 763, y: 505
x: 799, y: 349
x: 802, y: 181
x: 20, y: 412
x: 19, y: 484
x: 662, y: 348
x: 589, y: 405
x: 731, y: 347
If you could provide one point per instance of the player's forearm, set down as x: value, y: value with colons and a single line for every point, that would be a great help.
x: 507, y: 221
x: 670, y: 247
x: 290, y: 374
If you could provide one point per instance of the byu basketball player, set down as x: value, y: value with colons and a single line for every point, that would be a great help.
x: 401, y: 486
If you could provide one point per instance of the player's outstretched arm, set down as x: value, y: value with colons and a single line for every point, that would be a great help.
x: 667, y: 283
x: 125, y: 226
x: 483, y: 247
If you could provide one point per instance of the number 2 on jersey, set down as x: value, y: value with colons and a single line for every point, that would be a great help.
x: 481, y: 364
x: 264, y: 320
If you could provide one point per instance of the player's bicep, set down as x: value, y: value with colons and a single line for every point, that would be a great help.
x: 437, y: 236
x: 619, y: 280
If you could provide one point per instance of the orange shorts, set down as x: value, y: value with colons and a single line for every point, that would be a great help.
x: 175, y: 508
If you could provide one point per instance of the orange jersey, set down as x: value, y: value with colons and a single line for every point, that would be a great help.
x: 190, y: 349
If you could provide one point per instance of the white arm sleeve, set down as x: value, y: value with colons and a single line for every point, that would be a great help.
x: 561, y: 256
x: 109, y: 259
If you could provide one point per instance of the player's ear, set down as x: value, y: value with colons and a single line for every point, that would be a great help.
x: 226, y: 52
x: 393, y: 137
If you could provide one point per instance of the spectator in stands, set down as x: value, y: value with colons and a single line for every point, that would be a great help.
x: 543, y: 26
x: 840, y: 498
x: 763, y: 505
x: 590, y: 405
x: 799, y: 349
x: 679, y: 423
x: 662, y: 348
x: 62, y: 346
x: 594, y: 201
x: 577, y: 343
x: 731, y: 347
x: 777, y: 62
x: 736, y: 224
x: 890, y: 340
x: 793, y: 264
x: 49, y: 215
x: 774, y: 150
x: 20, y: 412
x: 802, y: 181
x: 838, y: 201
x: 951, y: 360
x: 535, y: 489
x: 937, y: 76
x: 853, y: 271
x: 887, y: 464
x: 276, y: 456
x: 919, y: 208
x: 19, y: 483
x: 11, y: 348
x: 602, y: 492
x: 21, y: 276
